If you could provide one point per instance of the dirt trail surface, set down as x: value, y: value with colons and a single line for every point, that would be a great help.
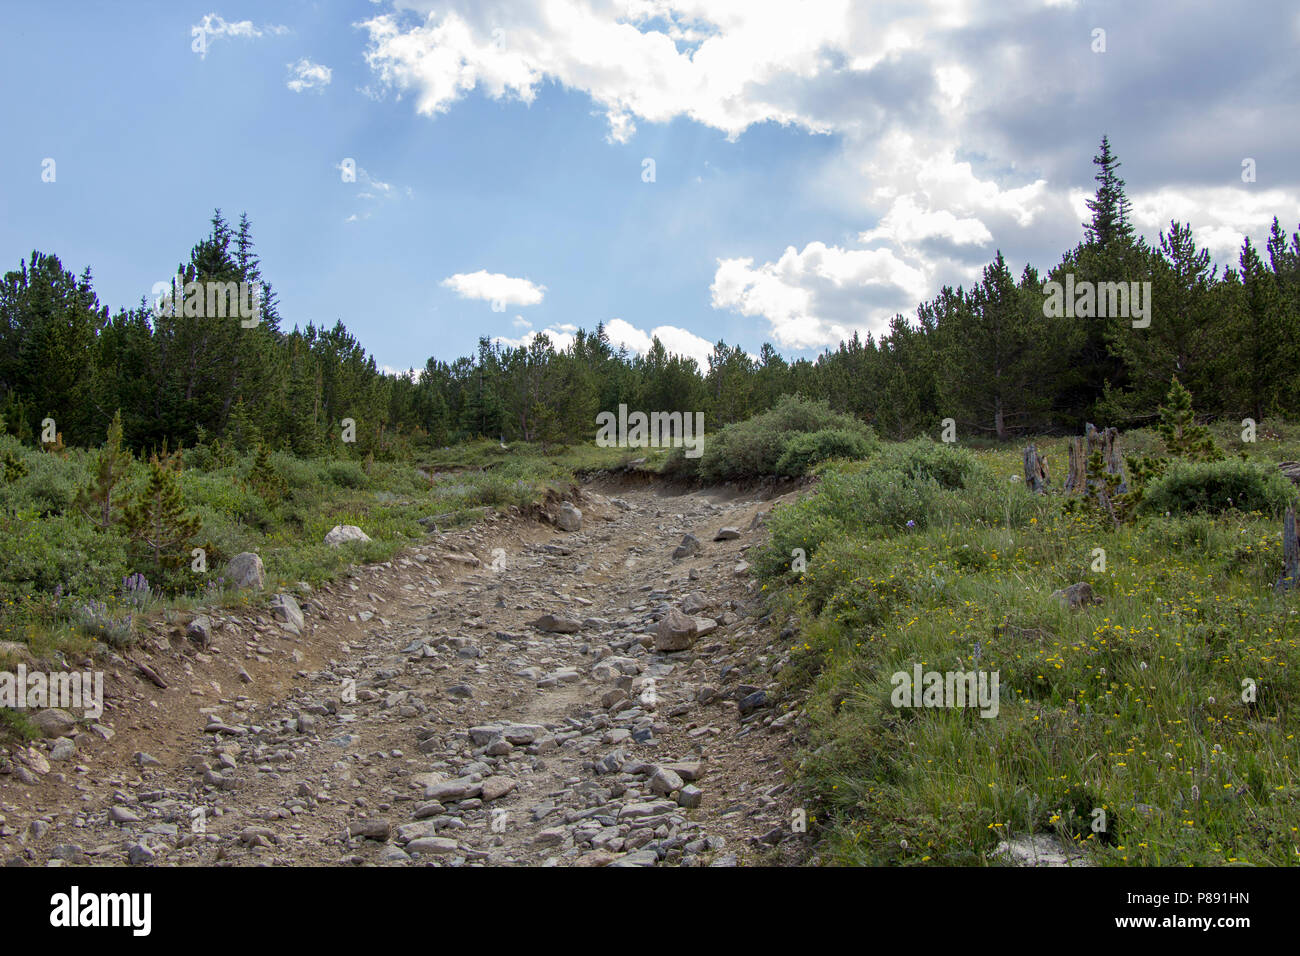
x: 426, y: 711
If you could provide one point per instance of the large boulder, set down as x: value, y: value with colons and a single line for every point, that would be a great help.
x: 569, y: 518
x: 556, y: 624
x: 286, y: 610
x: 689, y: 547
x: 345, y: 532
x: 676, y: 632
x: 53, y: 722
x: 200, y: 630
x: 245, y: 571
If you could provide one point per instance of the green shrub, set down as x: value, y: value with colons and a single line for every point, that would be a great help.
x: 1214, y: 486
x: 811, y: 448
x: 754, y: 448
x: 347, y: 474
x: 950, y: 466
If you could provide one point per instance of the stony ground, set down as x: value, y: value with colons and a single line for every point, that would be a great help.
x: 428, y: 711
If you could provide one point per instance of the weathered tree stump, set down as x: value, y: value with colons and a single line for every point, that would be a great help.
x: 1104, y: 440
x: 1290, y: 554
x: 1036, y: 476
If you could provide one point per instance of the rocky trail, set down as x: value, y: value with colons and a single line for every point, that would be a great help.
x: 513, y: 693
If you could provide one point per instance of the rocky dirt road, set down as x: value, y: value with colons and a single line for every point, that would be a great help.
x: 492, y: 696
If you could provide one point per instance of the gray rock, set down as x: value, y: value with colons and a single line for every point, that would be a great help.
x: 69, y: 853
x: 64, y: 749
x: 458, y: 789
x: 689, y: 547
x: 245, y: 572
x: 200, y: 630
x: 569, y: 518
x: 1076, y: 596
x: 432, y: 846
x: 53, y: 722
x: 284, y: 608
x: 637, y: 858
x: 345, y: 532
x: 676, y: 632
x: 689, y: 797
x: 752, y: 702
x: 665, y: 781
x: 371, y: 829
x: 727, y: 534
x: 138, y: 854
x: 556, y: 624
x: 694, y: 602
x: 1038, y: 849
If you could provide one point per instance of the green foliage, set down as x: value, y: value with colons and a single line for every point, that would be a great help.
x: 157, y: 522
x: 1183, y: 437
x: 1211, y: 487
x: 98, y: 500
x: 806, y: 449
x: 754, y: 448
x: 1095, y: 709
x: 950, y: 466
x: 264, y: 479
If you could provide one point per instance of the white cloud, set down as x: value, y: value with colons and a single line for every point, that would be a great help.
x: 213, y: 27
x: 495, y: 288
x: 945, y: 114
x: 1220, y: 217
x: 560, y: 339
x: 306, y: 75
x: 820, y: 295
x: 676, y: 340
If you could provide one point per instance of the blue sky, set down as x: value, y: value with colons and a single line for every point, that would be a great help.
x: 817, y: 166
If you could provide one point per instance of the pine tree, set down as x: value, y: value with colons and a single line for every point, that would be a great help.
x: 97, y: 500
x: 1182, y: 436
x: 264, y: 479
x: 156, y: 520
x: 1111, y: 209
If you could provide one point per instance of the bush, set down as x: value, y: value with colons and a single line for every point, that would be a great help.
x: 1215, y: 486
x: 811, y: 448
x: 347, y: 474
x: 754, y: 448
x: 948, y: 465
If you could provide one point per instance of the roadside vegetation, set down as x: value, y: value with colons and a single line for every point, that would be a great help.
x: 91, y: 541
x: 1169, y: 705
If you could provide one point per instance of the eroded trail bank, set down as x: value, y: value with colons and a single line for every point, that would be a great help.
x: 428, y: 710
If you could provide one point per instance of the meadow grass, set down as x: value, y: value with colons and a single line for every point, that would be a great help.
x: 1134, y: 706
x: 62, y: 581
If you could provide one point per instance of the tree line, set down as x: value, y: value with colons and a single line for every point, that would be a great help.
x: 992, y: 357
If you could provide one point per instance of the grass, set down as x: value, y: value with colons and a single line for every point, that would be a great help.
x: 1135, y: 706
x: 63, y: 583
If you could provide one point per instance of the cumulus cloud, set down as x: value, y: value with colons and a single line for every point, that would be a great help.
x: 306, y: 75
x: 961, y: 126
x: 213, y: 27
x: 820, y: 294
x: 677, y: 341
x: 495, y: 288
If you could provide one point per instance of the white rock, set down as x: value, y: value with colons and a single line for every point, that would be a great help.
x: 345, y: 532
